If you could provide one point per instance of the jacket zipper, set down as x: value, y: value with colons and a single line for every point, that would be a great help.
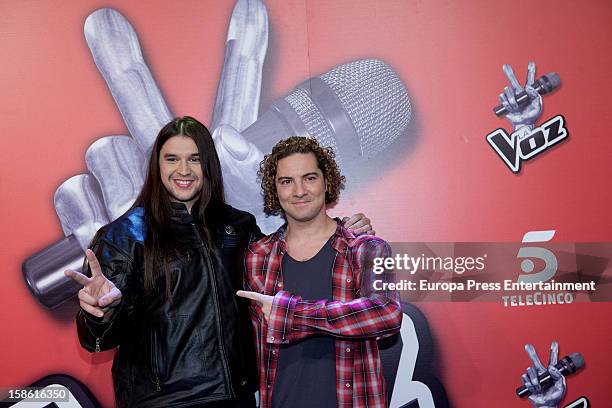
x: 99, y: 339
x: 218, y: 317
x: 154, y: 362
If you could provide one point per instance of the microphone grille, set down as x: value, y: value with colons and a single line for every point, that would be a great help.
x: 553, y: 80
x: 313, y: 119
x: 375, y: 99
x: 577, y: 359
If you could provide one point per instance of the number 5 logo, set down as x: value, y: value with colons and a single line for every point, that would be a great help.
x: 550, y: 260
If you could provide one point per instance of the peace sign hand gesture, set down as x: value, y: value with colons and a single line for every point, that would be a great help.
x: 540, y: 397
x: 521, y: 116
x: 98, y: 294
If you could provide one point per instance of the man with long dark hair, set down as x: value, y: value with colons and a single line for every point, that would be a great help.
x: 162, y: 282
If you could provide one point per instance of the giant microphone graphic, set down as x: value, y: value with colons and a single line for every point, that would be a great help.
x: 545, y: 84
x: 567, y: 365
x: 358, y: 108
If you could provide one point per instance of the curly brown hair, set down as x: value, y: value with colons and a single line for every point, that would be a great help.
x: 326, y: 161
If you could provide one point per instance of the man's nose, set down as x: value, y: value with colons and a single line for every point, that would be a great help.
x: 183, y: 168
x: 299, y: 189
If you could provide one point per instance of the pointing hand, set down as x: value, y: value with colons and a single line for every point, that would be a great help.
x: 263, y: 301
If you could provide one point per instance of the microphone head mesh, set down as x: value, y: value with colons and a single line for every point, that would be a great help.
x: 554, y: 79
x: 375, y: 99
x: 313, y: 119
x: 372, y: 95
x: 577, y: 359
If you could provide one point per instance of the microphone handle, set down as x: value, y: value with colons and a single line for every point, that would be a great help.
x: 565, y: 366
x: 522, y: 99
x: 545, y: 379
x: 278, y: 122
x: 44, y: 271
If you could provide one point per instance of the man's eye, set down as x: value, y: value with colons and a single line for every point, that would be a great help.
x: 285, y: 182
x: 171, y: 159
x: 311, y: 178
x: 195, y: 159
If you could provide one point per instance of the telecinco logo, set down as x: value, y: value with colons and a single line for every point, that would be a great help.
x: 522, y: 106
x: 550, y: 260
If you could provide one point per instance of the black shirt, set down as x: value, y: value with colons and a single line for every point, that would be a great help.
x: 306, y: 372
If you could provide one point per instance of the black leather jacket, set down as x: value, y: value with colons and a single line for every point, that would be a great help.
x: 193, y: 349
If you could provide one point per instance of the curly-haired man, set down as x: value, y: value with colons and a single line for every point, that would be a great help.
x: 315, y: 313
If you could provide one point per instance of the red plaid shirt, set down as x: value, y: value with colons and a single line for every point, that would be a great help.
x: 357, y: 316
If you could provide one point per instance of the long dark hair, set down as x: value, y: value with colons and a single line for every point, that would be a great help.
x: 155, y: 200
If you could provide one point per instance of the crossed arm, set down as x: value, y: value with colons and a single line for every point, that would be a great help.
x: 370, y: 314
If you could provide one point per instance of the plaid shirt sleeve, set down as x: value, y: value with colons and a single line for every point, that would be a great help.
x: 372, y: 314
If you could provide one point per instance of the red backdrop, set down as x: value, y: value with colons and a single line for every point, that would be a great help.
x: 451, y: 186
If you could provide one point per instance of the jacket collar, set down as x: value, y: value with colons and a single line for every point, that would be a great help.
x: 179, y: 213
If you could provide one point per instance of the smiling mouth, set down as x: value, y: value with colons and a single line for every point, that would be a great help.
x: 183, y: 183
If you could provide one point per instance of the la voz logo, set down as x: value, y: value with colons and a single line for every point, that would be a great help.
x: 524, y: 145
x: 522, y: 106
